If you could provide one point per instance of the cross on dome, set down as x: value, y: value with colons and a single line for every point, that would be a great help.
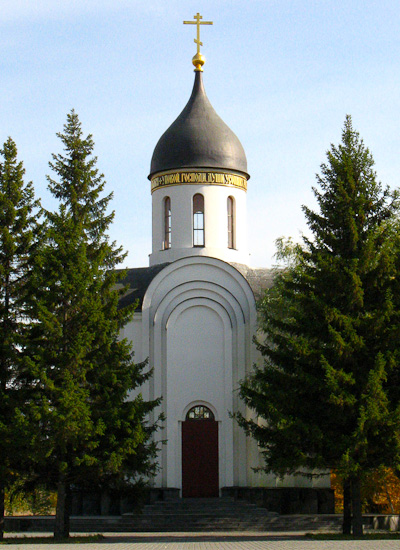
x: 198, y: 60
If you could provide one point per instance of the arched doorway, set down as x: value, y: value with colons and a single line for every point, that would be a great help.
x: 200, y: 453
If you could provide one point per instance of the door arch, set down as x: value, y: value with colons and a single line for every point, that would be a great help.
x: 200, y: 477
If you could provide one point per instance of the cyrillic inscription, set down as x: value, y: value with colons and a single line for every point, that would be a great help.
x: 213, y: 178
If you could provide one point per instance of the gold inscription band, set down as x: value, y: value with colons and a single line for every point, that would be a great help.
x: 208, y: 178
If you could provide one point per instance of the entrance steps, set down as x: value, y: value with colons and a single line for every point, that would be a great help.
x: 197, y: 515
x: 187, y: 515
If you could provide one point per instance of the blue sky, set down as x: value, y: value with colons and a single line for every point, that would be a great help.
x: 282, y: 74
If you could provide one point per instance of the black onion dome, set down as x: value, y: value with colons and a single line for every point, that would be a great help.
x: 198, y: 138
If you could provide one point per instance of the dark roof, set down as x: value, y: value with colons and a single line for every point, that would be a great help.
x: 138, y: 280
x: 259, y: 278
x: 198, y: 138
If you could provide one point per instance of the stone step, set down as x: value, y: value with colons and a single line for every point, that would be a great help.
x: 196, y: 519
x: 202, y: 510
x: 140, y: 523
x: 206, y: 511
x: 148, y: 524
x: 192, y: 515
x: 207, y: 514
x: 200, y: 505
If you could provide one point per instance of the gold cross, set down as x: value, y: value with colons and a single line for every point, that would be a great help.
x: 197, y: 22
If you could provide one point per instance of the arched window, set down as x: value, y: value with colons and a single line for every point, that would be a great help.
x: 198, y: 220
x: 200, y: 412
x: 167, y: 223
x: 231, y: 223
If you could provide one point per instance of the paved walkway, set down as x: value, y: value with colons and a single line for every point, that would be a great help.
x: 213, y: 541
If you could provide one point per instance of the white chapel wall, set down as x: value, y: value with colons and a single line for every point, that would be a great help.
x: 218, y: 296
x: 200, y: 352
x: 198, y: 372
x: 216, y: 223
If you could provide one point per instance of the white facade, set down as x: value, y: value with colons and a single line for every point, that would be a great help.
x: 215, y: 223
x: 198, y: 317
x: 198, y: 313
x: 196, y: 327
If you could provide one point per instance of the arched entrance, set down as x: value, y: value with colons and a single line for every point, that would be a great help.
x: 200, y: 453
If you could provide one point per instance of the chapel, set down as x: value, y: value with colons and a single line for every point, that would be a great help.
x: 197, y: 315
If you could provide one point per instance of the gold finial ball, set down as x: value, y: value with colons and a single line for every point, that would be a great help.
x: 198, y: 61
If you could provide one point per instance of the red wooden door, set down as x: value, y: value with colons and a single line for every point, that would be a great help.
x: 200, y: 458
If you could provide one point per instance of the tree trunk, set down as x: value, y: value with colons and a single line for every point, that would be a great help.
x: 61, y: 529
x: 346, y: 526
x: 356, y: 502
x: 1, y: 511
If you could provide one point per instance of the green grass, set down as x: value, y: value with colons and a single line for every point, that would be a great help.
x: 389, y: 535
x: 29, y: 539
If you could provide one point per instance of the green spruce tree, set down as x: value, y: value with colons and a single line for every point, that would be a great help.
x: 19, y: 233
x: 84, y: 371
x: 330, y: 321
